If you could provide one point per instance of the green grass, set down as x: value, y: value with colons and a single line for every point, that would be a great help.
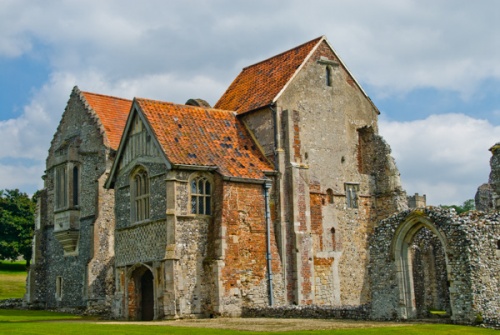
x: 12, y: 279
x: 42, y: 322
x: 14, y: 315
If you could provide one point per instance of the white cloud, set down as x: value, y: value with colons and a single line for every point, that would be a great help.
x: 177, y: 50
x: 27, y: 178
x: 395, y: 45
x: 444, y: 156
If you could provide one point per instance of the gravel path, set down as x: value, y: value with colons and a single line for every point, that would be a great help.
x: 264, y: 324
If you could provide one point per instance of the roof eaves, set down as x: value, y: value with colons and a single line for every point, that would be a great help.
x: 246, y: 180
x: 195, y: 167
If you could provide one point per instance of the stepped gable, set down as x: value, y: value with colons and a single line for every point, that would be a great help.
x: 197, y: 136
x: 112, y: 113
x: 258, y: 85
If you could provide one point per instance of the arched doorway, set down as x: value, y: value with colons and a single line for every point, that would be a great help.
x: 419, y: 251
x: 430, y: 276
x: 141, y: 294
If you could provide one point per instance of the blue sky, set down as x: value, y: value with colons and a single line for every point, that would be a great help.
x: 431, y: 67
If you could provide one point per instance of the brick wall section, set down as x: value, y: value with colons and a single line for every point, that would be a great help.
x: 243, y: 277
x: 132, y: 300
x: 317, y: 199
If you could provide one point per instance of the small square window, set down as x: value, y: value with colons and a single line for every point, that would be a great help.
x: 351, y: 195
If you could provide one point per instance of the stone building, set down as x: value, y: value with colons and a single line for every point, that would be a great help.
x: 191, y: 190
x: 274, y: 197
x: 73, y: 246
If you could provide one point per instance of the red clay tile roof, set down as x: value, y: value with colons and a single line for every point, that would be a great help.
x: 112, y: 112
x: 192, y: 135
x: 259, y: 84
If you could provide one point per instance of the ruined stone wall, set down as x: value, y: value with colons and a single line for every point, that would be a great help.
x: 470, y: 244
x: 77, y: 142
x: 488, y: 195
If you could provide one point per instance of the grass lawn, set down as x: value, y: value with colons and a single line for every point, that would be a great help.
x: 41, y: 322
x: 12, y: 279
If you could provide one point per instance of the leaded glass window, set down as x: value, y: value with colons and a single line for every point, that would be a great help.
x: 201, y: 191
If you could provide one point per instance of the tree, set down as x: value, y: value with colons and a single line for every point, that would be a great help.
x: 468, y: 205
x: 17, y: 212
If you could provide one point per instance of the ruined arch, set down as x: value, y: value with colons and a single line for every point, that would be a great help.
x: 401, y: 255
x: 140, y: 291
x: 469, y: 245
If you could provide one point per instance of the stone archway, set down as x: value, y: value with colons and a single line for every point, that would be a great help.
x: 140, y: 292
x: 403, y: 253
x: 469, y: 245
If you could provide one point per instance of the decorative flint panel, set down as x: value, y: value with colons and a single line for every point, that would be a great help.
x: 141, y: 244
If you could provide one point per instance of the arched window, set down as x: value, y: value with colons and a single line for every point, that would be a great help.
x: 140, y: 196
x: 201, y: 191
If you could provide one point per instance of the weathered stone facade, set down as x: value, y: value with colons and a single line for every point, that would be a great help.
x: 325, y: 140
x: 74, y: 235
x: 283, y: 195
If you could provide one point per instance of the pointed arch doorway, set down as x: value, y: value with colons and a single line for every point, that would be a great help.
x: 141, y: 294
x: 420, y: 254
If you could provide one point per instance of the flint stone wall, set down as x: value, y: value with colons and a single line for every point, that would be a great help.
x: 361, y: 312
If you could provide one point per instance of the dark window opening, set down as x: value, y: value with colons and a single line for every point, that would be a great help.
x: 328, y: 76
x: 334, y: 240
x: 76, y: 186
